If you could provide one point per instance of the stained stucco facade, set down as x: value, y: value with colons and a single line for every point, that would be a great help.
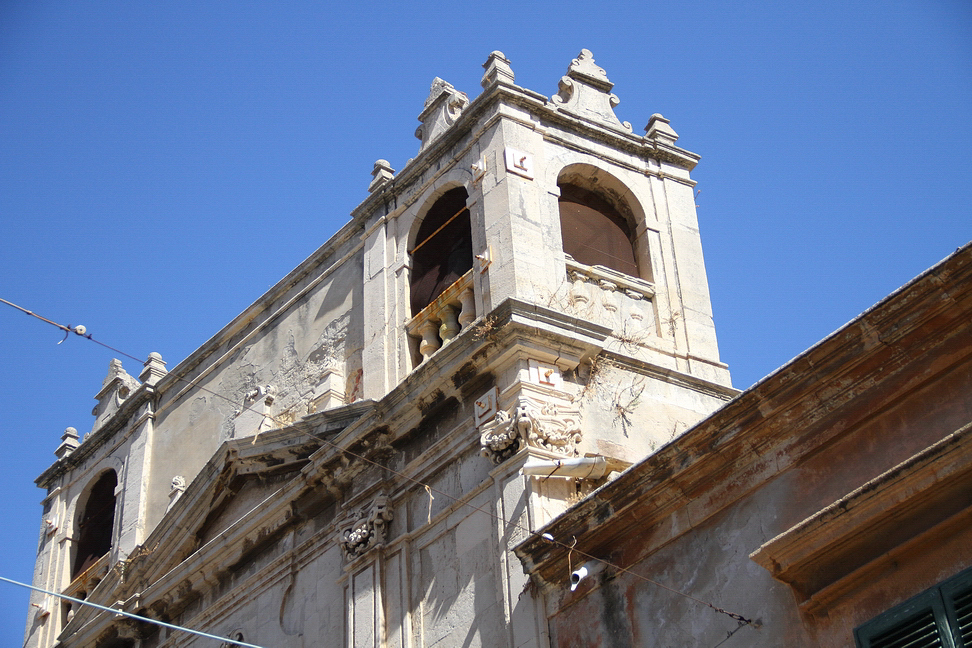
x: 830, y: 493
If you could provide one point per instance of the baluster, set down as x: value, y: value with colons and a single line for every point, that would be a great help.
x: 430, y: 340
x: 449, y: 327
x: 468, y: 312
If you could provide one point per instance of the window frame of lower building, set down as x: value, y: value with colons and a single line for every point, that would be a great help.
x: 940, y: 602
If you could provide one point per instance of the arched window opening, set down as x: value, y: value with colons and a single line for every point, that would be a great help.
x: 443, y: 249
x: 95, y: 524
x: 594, y: 231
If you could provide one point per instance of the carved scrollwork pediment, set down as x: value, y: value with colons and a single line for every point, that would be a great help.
x: 546, y: 425
x: 585, y: 91
x: 368, y: 529
x: 441, y: 110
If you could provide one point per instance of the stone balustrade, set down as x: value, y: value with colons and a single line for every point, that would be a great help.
x: 443, y: 319
x: 611, y: 298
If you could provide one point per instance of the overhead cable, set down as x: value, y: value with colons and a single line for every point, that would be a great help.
x: 428, y: 488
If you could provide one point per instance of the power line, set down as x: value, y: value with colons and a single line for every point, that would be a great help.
x: 428, y: 488
x: 137, y: 617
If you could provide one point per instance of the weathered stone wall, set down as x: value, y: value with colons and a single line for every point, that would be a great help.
x: 832, y: 491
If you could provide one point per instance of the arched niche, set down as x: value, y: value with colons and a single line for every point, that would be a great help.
x: 441, y: 250
x: 601, y: 221
x: 95, y: 522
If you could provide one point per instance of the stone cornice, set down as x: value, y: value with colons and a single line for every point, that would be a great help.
x: 823, y: 556
x: 778, y: 421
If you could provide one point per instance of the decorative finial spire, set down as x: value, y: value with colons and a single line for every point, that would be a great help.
x: 381, y: 175
x: 498, y: 70
x: 153, y: 370
x: 69, y: 443
x: 658, y: 129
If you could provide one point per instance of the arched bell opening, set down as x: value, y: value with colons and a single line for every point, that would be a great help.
x: 96, y: 523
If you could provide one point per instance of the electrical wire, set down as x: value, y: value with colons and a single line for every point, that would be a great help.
x: 430, y: 489
x: 137, y: 617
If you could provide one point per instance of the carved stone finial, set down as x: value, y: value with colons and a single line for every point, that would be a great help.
x: 69, y: 442
x: 585, y: 92
x: 153, y: 370
x: 368, y: 530
x: 442, y: 108
x: 498, y: 70
x: 381, y: 175
x: 115, y: 369
x: 659, y: 130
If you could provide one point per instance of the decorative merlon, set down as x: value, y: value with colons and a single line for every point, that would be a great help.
x: 659, y: 130
x: 553, y: 427
x: 585, y: 92
x: 498, y: 70
x: 442, y: 108
x: 381, y: 175
x: 115, y: 389
x: 69, y: 443
x: 368, y: 530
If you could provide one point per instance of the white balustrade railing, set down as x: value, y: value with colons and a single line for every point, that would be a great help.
x: 443, y: 319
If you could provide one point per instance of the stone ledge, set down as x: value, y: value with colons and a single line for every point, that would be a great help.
x: 890, y: 510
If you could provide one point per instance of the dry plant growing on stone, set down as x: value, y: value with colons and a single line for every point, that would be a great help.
x: 485, y: 329
x: 630, y: 338
x: 624, y: 406
x: 672, y: 322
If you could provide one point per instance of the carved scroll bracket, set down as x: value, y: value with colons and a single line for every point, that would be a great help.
x: 549, y: 426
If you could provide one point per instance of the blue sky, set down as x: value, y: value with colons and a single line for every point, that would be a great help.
x: 163, y: 164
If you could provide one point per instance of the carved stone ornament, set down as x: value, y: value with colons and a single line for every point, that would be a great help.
x: 548, y: 426
x: 442, y: 108
x: 586, y: 92
x: 381, y: 175
x: 368, y: 530
x: 498, y: 70
x: 118, y: 385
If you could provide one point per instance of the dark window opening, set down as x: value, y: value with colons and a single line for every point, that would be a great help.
x: 594, y: 231
x: 940, y: 616
x: 95, y: 524
x: 443, y: 249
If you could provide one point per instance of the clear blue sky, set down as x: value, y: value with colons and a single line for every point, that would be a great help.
x: 162, y: 164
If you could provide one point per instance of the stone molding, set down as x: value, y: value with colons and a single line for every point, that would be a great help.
x: 545, y: 425
x: 845, y: 544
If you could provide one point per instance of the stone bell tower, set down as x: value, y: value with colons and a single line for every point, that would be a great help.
x: 550, y: 206
x: 518, y: 314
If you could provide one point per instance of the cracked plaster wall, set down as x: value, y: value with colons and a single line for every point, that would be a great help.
x: 310, y: 347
